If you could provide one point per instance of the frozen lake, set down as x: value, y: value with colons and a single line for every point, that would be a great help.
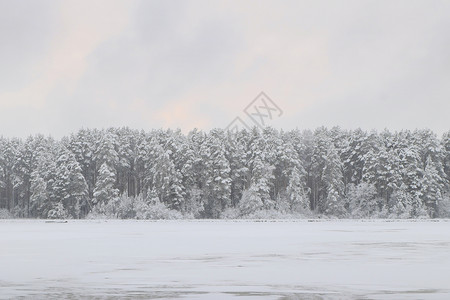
x: 225, y: 259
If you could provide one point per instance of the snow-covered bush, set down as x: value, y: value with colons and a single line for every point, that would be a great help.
x: 19, y: 212
x: 133, y: 208
x: 58, y: 212
x: 126, y: 207
x: 103, y: 211
x: 294, y: 202
x: 234, y: 213
x: 404, y: 205
x: 193, y: 205
x: 383, y: 213
x: 270, y: 214
x: 287, y: 206
x: 154, y: 210
x: 282, y: 204
x: 95, y: 215
x: 5, y: 214
x: 230, y: 213
x: 362, y: 200
x: 117, y: 208
x: 250, y: 202
x: 400, y: 205
x: 419, y: 210
x: 444, y: 206
x: 335, y: 204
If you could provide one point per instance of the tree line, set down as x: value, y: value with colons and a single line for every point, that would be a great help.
x: 126, y: 173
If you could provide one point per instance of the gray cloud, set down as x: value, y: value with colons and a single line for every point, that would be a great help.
x: 26, y: 31
x: 370, y: 64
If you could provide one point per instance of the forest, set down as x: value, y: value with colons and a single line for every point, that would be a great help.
x: 259, y: 173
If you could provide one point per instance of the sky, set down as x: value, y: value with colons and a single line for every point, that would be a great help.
x: 66, y: 65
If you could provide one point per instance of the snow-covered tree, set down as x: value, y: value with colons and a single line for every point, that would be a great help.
x: 204, y: 174
x: 444, y: 206
x: 217, y: 180
x: 9, y: 151
x: 236, y: 145
x: 381, y: 166
x: 193, y: 206
x: 70, y: 187
x: 362, y: 200
x: 295, y: 192
x: 166, y: 179
x: 104, y: 188
x: 326, y: 184
x: 260, y: 157
x: 83, y: 145
x: 106, y: 151
x: 400, y: 204
x: 250, y: 202
x: 446, y: 157
x: 432, y: 187
x: 39, y: 194
x: 58, y: 211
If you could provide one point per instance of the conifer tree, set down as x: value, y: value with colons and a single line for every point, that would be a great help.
x: 432, y: 187
x: 260, y: 166
x: 217, y: 180
x: 70, y: 187
x: 104, y: 188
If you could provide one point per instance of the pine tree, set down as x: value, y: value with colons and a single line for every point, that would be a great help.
x: 327, y: 185
x: 43, y: 179
x: 446, y: 157
x: 70, y: 187
x: 289, y: 174
x: 39, y: 194
x: 409, y: 162
x: 83, y: 145
x: 236, y: 154
x: 432, y: 187
x: 166, y: 178
x: 353, y: 155
x: 250, y: 202
x: 8, y: 161
x: 382, y: 166
x: 205, y: 174
x: 126, y: 152
x: 260, y: 164
x: 58, y: 211
x: 362, y: 200
x: 297, y: 198
x: 104, y: 188
x: 401, y: 203
x: 332, y: 178
x: 106, y: 151
x: 192, y: 171
x: 216, y: 176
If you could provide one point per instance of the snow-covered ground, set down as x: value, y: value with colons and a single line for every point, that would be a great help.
x: 225, y: 259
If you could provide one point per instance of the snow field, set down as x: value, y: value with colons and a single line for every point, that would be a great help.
x: 331, y: 259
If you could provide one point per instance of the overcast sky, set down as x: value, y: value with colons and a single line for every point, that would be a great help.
x: 151, y: 64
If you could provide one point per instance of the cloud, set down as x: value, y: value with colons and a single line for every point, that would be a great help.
x: 81, y: 29
x: 25, y: 26
x: 188, y: 64
x: 183, y: 115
